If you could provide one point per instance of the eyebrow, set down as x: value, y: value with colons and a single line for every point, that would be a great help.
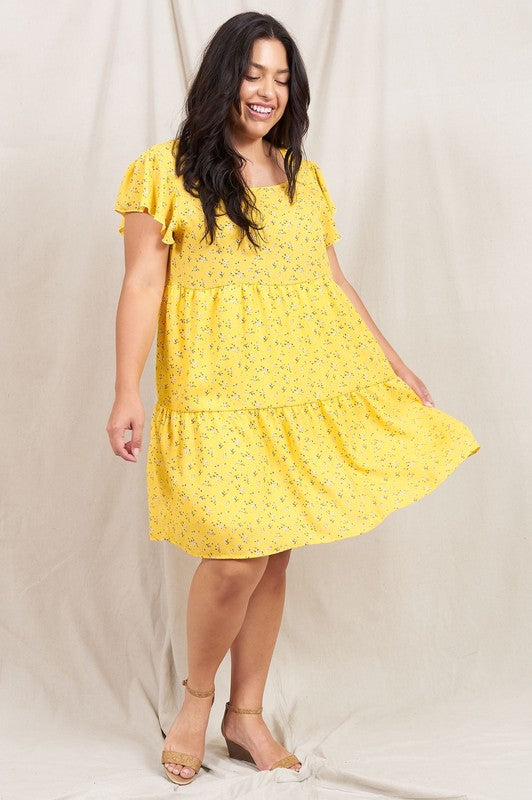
x: 260, y: 66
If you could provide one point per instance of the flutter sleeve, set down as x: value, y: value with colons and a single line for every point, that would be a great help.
x: 149, y: 185
x: 331, y: 233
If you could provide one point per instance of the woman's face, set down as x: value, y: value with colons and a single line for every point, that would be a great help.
x: 264, y: 90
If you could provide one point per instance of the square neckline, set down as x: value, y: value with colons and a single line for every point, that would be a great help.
x: 271, y: 186
x: 282, y: 150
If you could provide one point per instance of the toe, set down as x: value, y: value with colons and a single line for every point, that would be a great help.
x: 187, y: 772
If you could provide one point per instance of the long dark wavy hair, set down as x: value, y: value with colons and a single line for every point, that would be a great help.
x: 203, y: 151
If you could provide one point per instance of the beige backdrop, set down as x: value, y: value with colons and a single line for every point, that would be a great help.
x: 404, y: 659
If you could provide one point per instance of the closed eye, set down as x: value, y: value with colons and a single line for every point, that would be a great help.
x: 255, y: 78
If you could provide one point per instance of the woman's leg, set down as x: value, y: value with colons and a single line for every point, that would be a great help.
x: 251, y: 654
x: 217, y: 603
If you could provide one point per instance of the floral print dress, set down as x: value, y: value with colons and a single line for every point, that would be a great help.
x: 279, y: 421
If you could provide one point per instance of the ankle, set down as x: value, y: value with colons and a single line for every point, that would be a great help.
x: 197, y: 704
x: 248, y: 706
x: 200, y: 693
x: 194, y: 707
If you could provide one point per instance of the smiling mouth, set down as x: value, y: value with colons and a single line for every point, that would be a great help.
x: 259, y: 111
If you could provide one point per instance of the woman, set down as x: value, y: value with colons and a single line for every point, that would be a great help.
x: 283, y: 415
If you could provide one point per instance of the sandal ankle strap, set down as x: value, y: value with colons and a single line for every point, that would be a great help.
x: 236, y: 710
x: 210, y: 693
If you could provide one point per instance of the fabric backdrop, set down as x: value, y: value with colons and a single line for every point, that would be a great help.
x: 404, y: 658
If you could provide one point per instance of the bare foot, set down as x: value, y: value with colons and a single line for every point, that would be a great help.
x: 250, y: 731
x: 187, y: 733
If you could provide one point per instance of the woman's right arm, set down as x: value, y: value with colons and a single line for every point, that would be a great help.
x: 146, y: 259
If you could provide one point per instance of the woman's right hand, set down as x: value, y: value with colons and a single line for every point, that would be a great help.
x: 146, y: 260
x: 127, y: 414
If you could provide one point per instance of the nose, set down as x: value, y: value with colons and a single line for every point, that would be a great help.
x: 265, y: 88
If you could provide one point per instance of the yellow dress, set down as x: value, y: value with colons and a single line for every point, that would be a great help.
x: 279, y: 421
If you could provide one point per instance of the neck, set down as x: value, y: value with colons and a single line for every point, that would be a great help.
x: 257, y: 151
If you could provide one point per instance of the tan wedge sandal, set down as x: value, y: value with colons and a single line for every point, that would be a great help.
x: 237, y: 751
x: 186, y: 760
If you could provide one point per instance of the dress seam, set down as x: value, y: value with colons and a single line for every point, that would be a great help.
x: 284, y: 405
x: 322, y: 278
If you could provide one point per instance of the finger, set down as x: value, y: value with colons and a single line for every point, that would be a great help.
x: 122, y: 449
x: 116, y: 436
x: 132, y: 450
x: 135, y: 442
x: 425, y: 396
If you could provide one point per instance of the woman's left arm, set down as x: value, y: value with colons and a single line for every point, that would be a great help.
x: 398, y: 365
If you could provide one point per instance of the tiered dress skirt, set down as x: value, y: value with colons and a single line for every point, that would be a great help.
x: 280, y: 422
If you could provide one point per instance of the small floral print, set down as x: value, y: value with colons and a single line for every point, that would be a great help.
x: 279, y: 421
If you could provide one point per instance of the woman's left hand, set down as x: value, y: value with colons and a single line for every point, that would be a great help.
x: 415, y: 383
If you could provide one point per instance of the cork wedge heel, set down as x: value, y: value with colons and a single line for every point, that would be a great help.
x: 236, y: 750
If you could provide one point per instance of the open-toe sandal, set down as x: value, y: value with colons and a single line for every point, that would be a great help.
x: 186, y: 760
x: 237, y: 751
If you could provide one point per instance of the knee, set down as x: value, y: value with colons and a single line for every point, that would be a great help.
x: 235, y: 577
x: 278, y: 562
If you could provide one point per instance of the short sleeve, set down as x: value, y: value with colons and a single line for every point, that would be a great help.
x: 149, y: 185
x: 331, y: 233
